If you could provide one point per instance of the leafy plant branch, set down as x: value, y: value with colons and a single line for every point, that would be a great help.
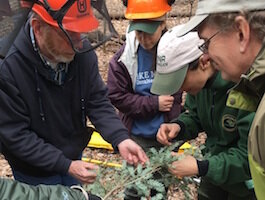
x: 111, y: 183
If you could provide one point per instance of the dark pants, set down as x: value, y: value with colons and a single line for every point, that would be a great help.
x: 66, y: 180
x: 146, y: 144
x: 208, y: 191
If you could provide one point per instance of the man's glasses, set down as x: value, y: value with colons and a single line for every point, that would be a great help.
x: 204, y: 47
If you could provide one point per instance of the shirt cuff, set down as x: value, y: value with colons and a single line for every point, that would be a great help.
x: 203, y: 166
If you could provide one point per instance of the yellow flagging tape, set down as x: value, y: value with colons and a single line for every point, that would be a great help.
x: 186, y: 145
x: 97, y: 141
x: 99, y: 162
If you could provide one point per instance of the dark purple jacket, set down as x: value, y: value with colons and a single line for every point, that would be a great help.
x: 131, y: 105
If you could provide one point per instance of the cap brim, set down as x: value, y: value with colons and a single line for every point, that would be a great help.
x: 145, y: 26
x: 191, y: 25
x: 170, y: 83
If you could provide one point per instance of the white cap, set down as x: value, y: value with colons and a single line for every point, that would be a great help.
x: 173, y: 56
x: 207, y: 7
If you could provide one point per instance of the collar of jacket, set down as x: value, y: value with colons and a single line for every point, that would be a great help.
x: 258, y: 67
x: 129, y: 55
x: 249, y: 91
x: 216, y: 82
x: 24, y: 45
x: 252, y: 83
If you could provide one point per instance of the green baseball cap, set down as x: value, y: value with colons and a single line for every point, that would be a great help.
x: 207, y: 7
x: 147, y: 26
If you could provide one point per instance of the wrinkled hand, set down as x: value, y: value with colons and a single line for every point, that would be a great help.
x: 165, y: 103
x: 132, y: 152
x: 184, y: 167
x: 167, y: 132
x: 83, y: 171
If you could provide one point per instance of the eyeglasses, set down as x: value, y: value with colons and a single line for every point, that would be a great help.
x: 204, y: 47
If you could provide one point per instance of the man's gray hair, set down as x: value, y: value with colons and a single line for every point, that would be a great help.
x: 256, y: 21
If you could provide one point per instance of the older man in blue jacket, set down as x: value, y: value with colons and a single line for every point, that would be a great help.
x: 49, y: 86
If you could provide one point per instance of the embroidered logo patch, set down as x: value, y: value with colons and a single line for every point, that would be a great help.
x: 82, y: 6
x: 229, y: 122
x: 161, y: 61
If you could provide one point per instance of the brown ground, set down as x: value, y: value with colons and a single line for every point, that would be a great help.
x: 179, y: 14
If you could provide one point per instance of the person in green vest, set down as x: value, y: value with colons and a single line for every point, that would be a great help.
x: 234, y: 42
x: 224, y: 170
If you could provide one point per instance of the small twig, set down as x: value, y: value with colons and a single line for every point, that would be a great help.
x: 116, y: 188
x: 122, y: 185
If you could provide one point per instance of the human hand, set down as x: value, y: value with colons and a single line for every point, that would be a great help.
x: 167, y: 132
x: 184, y: 167
x: 132, y: 152
x: 83, y: 171
x: 183, y: 98
x: 165, y: 103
